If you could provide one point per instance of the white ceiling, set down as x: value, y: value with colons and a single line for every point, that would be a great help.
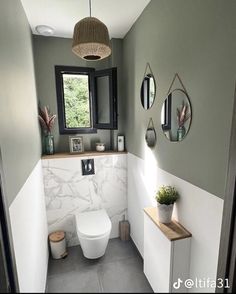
x: 62, y: 15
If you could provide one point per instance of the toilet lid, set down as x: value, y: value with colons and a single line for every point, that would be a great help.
x: 93, y: 223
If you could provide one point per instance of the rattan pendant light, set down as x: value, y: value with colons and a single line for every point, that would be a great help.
x: 91, y: 39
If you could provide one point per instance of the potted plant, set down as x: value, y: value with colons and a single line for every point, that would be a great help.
x: 166, y: 197
x: 47, y: 121
x: 182, y: 116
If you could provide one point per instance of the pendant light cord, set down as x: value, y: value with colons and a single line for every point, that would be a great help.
x: 90, y: 9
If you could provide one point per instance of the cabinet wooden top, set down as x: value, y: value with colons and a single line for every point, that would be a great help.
x: 173, y: 231
x: 84, y: 154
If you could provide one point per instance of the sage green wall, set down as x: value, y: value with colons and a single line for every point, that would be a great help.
x: 117, y: 61
x: 197, y: 40
x: 19, y: 130
x: 51, y: 51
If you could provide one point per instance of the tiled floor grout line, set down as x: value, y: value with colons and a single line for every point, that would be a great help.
x: 100, y: 281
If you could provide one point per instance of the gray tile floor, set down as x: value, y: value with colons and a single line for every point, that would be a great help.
x: 119, y: 271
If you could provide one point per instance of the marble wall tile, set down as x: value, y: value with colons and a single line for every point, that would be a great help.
x: 68, y: 193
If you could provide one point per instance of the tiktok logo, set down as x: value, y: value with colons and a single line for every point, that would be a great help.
x: 177, y: 284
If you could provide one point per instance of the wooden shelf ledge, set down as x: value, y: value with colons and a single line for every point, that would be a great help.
x: 84, y: 154
x: 173, y: 231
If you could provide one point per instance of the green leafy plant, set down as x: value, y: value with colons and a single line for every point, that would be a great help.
x: 46, y: 119
x: 166, y: 195
x: 182, y: 114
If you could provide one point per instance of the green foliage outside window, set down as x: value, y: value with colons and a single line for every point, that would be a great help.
x: 76, y: 96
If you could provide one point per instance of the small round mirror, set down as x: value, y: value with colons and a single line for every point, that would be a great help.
x: 150, y: 137
x: 176, y: 115
x: 148, y: 91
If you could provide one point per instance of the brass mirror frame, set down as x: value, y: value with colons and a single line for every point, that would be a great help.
x: 176, y: 76
x: 149, y: 129
x: 148, y: 73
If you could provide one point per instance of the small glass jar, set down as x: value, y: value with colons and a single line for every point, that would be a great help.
x: 100, y: 147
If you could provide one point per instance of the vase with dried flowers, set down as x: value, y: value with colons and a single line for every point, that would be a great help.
x: 47, y: 120
x: 182, y: 116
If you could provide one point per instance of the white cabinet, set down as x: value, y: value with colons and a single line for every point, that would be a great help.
x: 166, y: 253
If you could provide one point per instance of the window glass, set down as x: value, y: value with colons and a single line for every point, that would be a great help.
x: 103, y: 103
x: 76, y: 101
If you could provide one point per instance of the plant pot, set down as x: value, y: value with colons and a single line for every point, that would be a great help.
x: 164, y: 213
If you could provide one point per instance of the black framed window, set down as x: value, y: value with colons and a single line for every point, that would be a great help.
x: 86, y: 99
x: 74, y: 87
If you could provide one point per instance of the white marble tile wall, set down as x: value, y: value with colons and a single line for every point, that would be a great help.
x: 67, y: 192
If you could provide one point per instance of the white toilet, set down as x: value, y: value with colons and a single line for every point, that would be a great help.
x: 93, y: 229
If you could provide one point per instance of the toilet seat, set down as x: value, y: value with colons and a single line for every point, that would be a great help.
x: 93, y: 224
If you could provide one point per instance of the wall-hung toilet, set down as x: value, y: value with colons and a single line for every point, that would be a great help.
x: 93, y: 229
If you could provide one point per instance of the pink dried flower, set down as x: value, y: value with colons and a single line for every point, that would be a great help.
x: 46, y: 119
x: 183, y: 115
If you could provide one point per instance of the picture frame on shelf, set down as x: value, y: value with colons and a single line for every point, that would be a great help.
x: 76, y: 144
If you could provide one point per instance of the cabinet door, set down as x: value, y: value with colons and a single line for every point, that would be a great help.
x: 180, y: 262
x: 157, y: 257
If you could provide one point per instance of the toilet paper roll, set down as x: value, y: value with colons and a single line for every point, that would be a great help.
x: 121, y: 143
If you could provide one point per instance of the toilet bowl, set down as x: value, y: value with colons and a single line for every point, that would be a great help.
x: 93, y: 230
